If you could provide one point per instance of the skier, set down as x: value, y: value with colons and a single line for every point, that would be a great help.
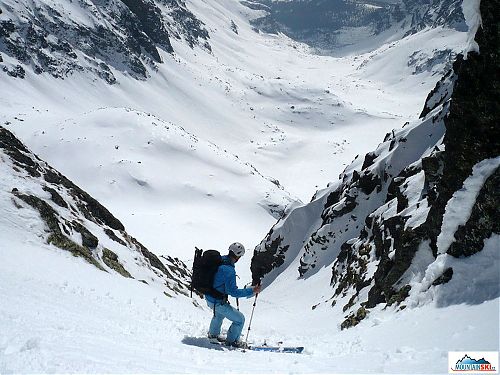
x: 225, y: 282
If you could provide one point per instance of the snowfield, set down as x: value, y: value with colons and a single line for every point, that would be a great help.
x: 212, y: 149
x: 59, y: 314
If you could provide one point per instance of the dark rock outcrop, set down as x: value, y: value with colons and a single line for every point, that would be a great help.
x: 111, y: 260
x: 472, y: 132
x: 272, y: 257
x: 483, y: 221
x: 444, y: 278
x: 185, y: 25
x: 151, y: 21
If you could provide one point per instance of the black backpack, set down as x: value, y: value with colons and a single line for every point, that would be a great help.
x: 205, y: 266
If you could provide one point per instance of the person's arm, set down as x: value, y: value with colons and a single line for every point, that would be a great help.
x: 231, y: 287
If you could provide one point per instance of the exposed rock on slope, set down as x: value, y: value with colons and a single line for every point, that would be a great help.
x: 402, y: 219
x: 76, y: 222
x: 61, y: 37
x: 433, y: 13
x: 183, y: 24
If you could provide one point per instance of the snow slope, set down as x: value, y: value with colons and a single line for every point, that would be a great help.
x: 414, y: 221
x: 82, y: 320
x: 61, y: 314
x: 163, y: 179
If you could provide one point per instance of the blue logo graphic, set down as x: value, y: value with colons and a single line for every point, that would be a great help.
x: 470, y: 364
x: 470, y: 361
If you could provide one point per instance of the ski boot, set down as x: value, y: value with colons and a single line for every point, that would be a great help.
x: 237, y: 344
x: 215, y: 339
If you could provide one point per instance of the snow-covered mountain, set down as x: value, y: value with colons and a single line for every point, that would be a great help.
x: 92, y: 36
x: 254, y: 101
x: 414, y: 220
x: 331, y: 26
x: 194, y: 128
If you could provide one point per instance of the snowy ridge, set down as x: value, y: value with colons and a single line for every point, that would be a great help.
x: 390, y: 227
x: 48, y: 210
x: 342, y: 208
x: 459, y: 207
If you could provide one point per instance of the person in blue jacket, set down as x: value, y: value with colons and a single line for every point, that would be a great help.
x: 225, y: 282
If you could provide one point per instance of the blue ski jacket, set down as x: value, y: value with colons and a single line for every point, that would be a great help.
x: 225, y: 282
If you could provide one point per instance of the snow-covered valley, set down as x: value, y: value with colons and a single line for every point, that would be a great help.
x: 218, y: 140
x: 298, y: 118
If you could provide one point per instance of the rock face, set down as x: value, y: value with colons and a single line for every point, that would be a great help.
x: 331, y: 24
x: 60, y: 38
x: 472, y: 132
x: 76, y: 222
x: 183, y: 24
x: 434, y: 13
x: 393, y: 214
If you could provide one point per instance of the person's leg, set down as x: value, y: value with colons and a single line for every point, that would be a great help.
x: 237, y: 319
x: 217, y: 318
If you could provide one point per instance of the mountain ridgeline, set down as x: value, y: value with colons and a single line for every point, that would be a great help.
x: 134, y: 36
x: 60, y: 38
x: 328, y: 25
x: 390, y: 229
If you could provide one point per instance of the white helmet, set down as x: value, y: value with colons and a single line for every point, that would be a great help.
x: 237, y: 249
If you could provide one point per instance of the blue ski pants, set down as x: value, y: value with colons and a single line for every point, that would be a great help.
x: 226, y: 311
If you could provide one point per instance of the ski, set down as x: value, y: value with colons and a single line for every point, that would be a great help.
x: 278, y: 349
x: 204, y: 342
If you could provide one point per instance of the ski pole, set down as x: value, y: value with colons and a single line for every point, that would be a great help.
x: 251, y: 316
